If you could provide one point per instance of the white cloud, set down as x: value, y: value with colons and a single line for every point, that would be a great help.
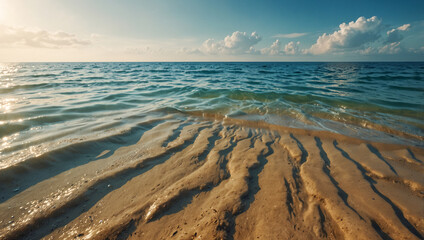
x: 243, y: 43
x: 404, y: 27
x: 18, y: 36
x: 349, y: 36
x: 237, y: 43
x: 395, y: 34
x: 364, y: 36
x: 367, y: 51
x: 274, y: 49
x: 292, y: 48
x: 391, y: 48
x: 289, y: 35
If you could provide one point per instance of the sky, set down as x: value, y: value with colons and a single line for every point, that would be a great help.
x: 206, y: 30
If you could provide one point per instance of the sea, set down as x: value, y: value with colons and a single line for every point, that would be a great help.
x: 48, y: 106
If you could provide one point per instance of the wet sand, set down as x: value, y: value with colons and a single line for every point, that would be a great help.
x: 199, y: 178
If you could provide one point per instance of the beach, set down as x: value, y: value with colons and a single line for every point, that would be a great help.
x: 180, y: 151
x: 223, y: 180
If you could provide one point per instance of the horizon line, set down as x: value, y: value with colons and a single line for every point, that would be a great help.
x: 359, y: 61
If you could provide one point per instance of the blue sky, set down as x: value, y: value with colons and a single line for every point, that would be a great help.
x: 203, y: 30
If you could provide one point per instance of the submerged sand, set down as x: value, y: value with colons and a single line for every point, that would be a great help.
x: 222, y: 179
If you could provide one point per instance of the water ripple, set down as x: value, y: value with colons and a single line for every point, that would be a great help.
x: 359, y: 99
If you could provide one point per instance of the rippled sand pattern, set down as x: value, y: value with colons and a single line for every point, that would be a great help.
x: 187, y: 178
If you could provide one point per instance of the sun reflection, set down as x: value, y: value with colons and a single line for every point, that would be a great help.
x: 36, y: 150
x: 2, y: 65
x: 7, y: 69
x: 6, y: 104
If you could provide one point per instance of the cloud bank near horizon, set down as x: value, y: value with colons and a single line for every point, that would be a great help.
x: 361, y: 37
x: 365, y: 36
x: 236, y: 43
x: 24, y: 37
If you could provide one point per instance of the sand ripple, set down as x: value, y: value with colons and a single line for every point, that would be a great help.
x: 209, y: 179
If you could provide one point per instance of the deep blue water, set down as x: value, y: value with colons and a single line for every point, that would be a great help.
x: 47, y: 105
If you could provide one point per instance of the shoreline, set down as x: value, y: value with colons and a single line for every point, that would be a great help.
x: 14, y: 158
x: 230, y: 179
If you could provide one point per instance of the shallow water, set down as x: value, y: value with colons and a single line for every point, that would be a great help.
x: 44, y: 106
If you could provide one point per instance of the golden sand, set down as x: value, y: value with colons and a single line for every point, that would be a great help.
x: 223, y: 179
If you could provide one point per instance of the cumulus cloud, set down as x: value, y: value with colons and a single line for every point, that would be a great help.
x: 391, y: 44
x: 292, y: 48
x: 395, y: 35
x: 274, y: 49
x: 391, y: 48
x: 363, y: 36
x: 353, y: 35
x: 290, y: 35
x: 17, y: 36
x: 243, y: 43
x: 236, y: 43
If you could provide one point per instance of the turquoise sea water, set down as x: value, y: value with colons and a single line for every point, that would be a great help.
x: 44, y: 106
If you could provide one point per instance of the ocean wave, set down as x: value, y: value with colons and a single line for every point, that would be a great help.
x: 363, y: 98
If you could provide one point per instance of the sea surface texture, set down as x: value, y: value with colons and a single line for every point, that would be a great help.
x: 212, y: 151
x: 44, y: 106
